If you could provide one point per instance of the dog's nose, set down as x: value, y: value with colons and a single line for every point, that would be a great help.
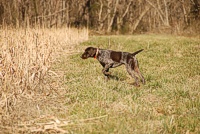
x: 82, y: 56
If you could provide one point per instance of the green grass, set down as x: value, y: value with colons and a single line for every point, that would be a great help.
x: 168, y: 103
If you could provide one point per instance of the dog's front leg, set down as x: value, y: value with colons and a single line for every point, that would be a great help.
x: 105, y: 70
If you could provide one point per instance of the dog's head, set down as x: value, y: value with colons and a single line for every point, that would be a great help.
x: 90, y: 52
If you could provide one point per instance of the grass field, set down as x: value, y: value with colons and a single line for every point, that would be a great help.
x: 47, y: 88
x: 168, y: 103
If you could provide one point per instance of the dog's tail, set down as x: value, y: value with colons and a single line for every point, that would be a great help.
x: 133, y: 54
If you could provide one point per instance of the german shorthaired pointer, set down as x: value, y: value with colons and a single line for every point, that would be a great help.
x: 111, y: 59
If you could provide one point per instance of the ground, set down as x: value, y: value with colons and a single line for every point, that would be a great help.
x: 87, y: 103
x: 168, y: 103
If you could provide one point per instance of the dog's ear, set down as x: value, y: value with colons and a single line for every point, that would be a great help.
x: 92, y: 51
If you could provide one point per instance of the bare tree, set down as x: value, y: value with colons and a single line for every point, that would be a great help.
x: 111, y: 19
x: 118, y: 16
x: 122, y: 13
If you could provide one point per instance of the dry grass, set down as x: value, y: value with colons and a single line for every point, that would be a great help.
x: 27, y: 79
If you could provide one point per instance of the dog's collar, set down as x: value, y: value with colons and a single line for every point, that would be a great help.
x: 96, y: 53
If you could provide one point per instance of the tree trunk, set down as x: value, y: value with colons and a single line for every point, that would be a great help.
x: 157, y: 8
x: 166, y: 14
x: 139, y: 18
x: 100, y: 19
x: 120, y: 19
x: 112, y: 18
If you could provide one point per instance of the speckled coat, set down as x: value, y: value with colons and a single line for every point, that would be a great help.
x: 111, y: 59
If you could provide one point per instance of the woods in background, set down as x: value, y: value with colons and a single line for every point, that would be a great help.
x: 105, y: 16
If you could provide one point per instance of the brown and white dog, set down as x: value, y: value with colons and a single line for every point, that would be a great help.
x: 111, y: 59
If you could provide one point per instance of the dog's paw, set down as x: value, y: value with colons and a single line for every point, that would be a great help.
x: 108, y: 73
x: 107, y: 78
x: 136, y: 84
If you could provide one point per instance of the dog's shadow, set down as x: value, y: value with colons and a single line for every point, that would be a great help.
x: 115, y: 77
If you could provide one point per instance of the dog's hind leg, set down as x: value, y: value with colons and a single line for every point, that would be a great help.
x: 130, y: 71
x: 136, y: 69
